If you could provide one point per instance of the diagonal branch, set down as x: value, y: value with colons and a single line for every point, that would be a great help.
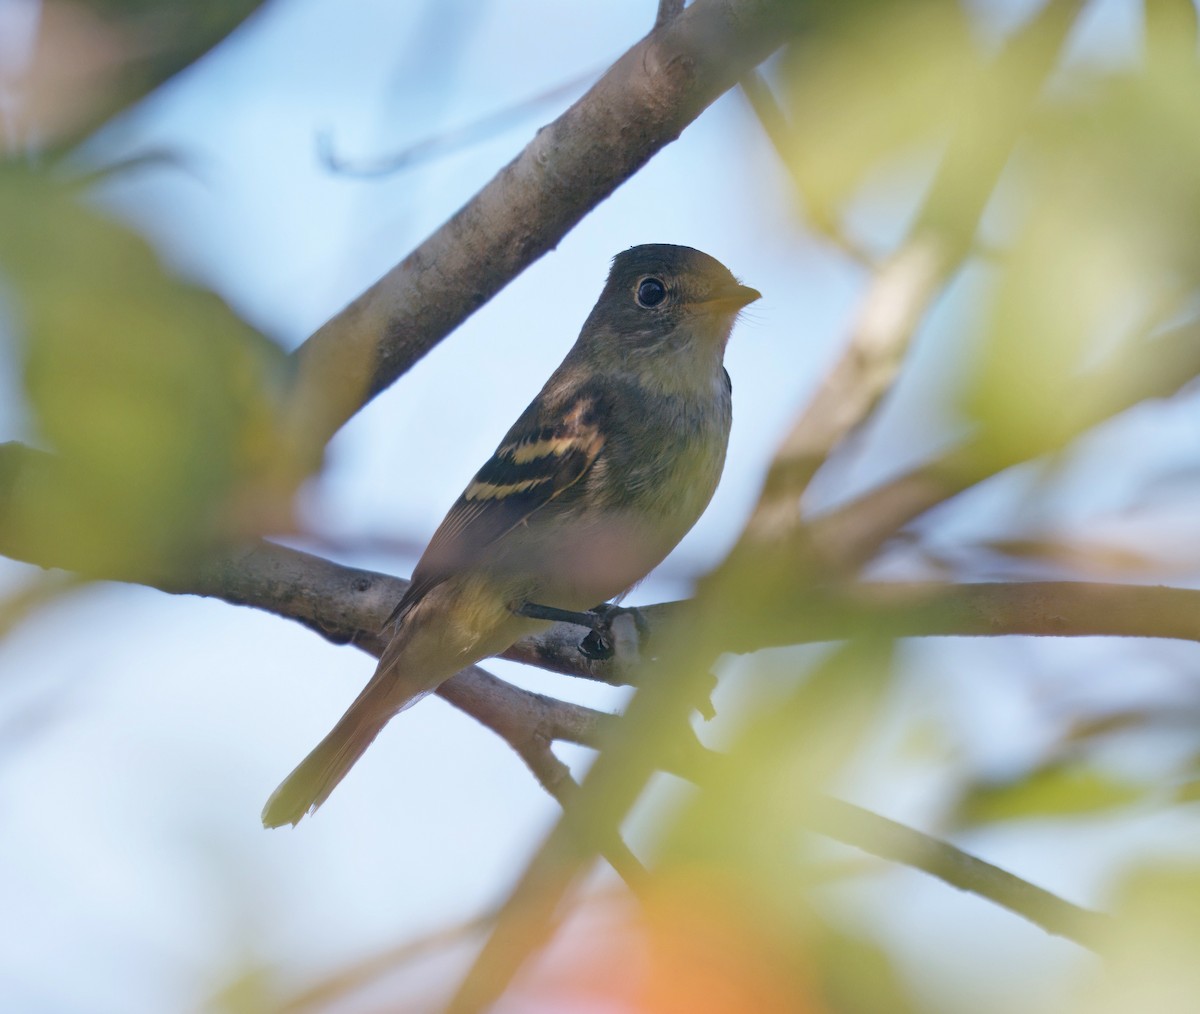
x: 641, y: 104
x: 1157, y: 367
x: 667, y: 11
x: 897, y: 843
x: 828, y: 816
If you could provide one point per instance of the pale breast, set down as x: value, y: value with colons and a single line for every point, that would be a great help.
x: 645, y: 491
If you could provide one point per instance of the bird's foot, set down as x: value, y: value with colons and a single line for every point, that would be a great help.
x: 608, y: 631
x: 603, y: 621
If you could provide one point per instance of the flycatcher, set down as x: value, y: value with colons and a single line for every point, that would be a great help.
x: 600, y: 477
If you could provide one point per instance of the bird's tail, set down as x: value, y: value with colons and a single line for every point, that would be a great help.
x: 318, y: 774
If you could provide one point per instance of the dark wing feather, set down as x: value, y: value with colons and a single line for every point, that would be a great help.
x: 545, y: 453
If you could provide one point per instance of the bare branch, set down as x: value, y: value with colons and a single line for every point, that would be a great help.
x: 896, y: 300
x: 351, y: 977
x: 897, y: 843
x: 833, y: 818
x: 345, y: 604
x: 1160, y: 367
x: 641, y: 104
x: 530, y: 723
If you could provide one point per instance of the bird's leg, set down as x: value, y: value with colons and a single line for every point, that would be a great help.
x: 598, y: 645
x: 536, y: 611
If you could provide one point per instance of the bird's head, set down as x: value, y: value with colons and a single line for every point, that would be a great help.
x: 664, y: 309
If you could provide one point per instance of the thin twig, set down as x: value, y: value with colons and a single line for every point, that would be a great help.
x: 906, y: 846
x: 853, y: 825
x: 841, y: 821
x: 531, y: 730
x: 448, y: 141
x: 1158, y: 366
x: 834, y: 818
x: 357, y: 975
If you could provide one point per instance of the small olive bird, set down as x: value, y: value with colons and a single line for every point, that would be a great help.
x: 600, y: 477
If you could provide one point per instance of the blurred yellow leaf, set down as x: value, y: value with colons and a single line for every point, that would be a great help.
x: 1103, y: 211
x: 871, y: 82
x: 1052, y: 791
x: 1150, y: 956
x: 155, y: 397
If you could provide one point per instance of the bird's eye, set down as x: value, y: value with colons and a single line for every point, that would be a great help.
x: 651, y: 292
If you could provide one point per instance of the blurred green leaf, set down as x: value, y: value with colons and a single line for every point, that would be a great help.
x: 1188, y: 792
x: 251, y: 989
x: 1053, y: 791
x: 1170, y: 32
x: 157, y: 400
x: 1103, y: 210
x: 797, y: 745
x: 748, y: 820
x: 870, y: 82
x: 858, y: 976
x: 1150, y: 957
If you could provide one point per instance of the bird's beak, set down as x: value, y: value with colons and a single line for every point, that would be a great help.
x: 729, y: 299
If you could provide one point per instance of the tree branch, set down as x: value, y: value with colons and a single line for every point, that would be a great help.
x: 1159, y: 366
x: 640, y: 105
x: 348, y: 605
x: 530, y: 723
x: 827, y: 815
x: 668, y: 10
x: 852, y: 825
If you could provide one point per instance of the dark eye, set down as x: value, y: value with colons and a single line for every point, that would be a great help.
x: 651, y: 292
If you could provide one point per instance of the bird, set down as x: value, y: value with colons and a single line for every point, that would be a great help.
x: 610, y: 465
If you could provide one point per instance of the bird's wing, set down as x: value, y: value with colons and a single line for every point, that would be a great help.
x: 547, y: 451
